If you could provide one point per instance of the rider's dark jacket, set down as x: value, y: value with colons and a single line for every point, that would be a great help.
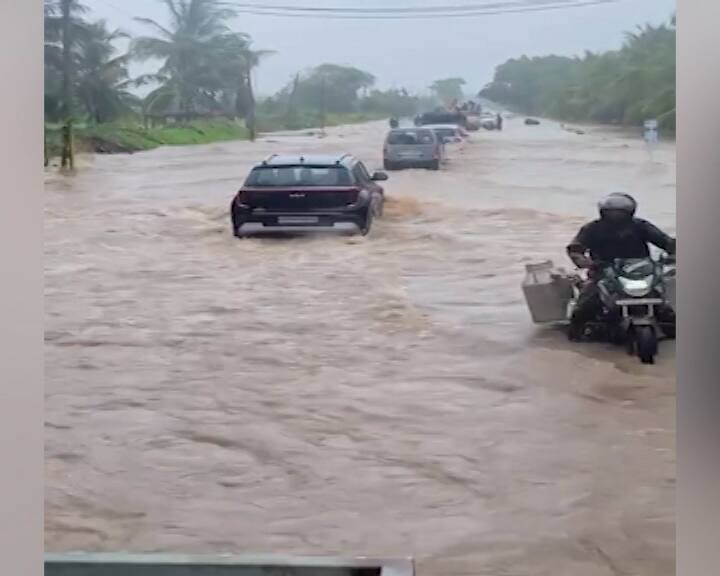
x: 606, y: 241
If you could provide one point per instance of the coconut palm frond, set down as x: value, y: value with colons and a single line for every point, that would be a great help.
x: 158, y: 27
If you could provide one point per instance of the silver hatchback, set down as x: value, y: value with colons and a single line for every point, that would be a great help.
x: 413, y: 148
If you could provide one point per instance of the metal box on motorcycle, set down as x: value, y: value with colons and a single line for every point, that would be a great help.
x: 547, y: 292
x: 669, y: 282
x: 227, y: 565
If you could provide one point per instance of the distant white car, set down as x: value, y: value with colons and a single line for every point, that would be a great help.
x: 489, y: 120
x: 454, y: 137
x: 474, y: 122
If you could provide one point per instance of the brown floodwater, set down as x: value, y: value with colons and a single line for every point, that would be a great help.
x: 380, y: 396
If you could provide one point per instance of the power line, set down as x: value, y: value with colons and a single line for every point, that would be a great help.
x: 129, y: 15
x: 547, y: 6
x: 398, y: 13
x: 116, y: 7
x: 398, y: 10
x: 416, y: 16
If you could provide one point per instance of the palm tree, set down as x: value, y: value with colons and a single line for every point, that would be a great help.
x: 647, y: 79
x: 102, y: 77
x: 236, y: 61
x: 64, y: 28
x: 188, y: 77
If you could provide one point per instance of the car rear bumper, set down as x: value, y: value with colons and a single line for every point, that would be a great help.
x: 249, y: 219
x: 411, y: 162
x: 258, y: 228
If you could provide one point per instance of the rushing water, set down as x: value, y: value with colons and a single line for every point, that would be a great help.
x: 383, y: 396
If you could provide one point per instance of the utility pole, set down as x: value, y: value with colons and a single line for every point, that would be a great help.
x: 323, y: 88
x: 251, y: 118
x: 68, y: 156
x: 290, y: 113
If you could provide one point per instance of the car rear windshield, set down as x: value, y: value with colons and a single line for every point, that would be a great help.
x: 441, y: 118
x: 445, y: 132
x: 411, y: 137
x: 302, y: 176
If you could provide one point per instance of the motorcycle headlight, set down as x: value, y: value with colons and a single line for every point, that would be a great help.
x: 637, y: 288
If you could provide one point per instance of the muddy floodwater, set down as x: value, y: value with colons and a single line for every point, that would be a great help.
x: 380, y: 396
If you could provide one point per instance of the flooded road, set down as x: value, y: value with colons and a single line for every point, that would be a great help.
x: 382, y: 396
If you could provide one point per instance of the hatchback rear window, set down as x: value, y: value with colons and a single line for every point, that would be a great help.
x: 441, y: 119
x: 411, y: 137
x: 445, y: 132
x: 289, y: 176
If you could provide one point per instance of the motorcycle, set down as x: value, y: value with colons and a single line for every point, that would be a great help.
x: 637, y: 308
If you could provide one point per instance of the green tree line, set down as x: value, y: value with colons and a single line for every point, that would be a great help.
x: 206, y: 66
x: 205, y: 71
x: 332, y: 91
x: 623, y: 87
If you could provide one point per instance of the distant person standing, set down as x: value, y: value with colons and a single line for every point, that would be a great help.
x: 650, y: 135
x: 499, y: 121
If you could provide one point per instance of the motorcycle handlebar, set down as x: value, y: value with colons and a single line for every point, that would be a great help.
x: 668, y: 259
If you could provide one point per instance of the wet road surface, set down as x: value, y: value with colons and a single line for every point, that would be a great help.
x: 382, y: 396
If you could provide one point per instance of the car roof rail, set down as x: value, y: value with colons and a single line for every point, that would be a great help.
x: 268, y: 159
x: 343, y: 157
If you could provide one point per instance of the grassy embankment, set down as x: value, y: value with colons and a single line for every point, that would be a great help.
x: 131, y: 136
x: 127, y: 136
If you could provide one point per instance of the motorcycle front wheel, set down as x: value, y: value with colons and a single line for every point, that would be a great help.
x: 646, y: 344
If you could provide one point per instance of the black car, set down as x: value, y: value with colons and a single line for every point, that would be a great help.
x: 308, y: 192
x: 442, y: 117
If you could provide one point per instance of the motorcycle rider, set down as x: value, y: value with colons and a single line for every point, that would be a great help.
x: 616, y: 234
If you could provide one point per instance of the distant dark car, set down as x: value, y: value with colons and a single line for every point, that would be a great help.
x: 308, y: 192
x: 442, y: 117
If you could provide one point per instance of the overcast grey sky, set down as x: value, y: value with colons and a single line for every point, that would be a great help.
x: 413, y: 53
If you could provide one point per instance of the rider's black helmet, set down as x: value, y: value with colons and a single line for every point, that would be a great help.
x: 617, y: 207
